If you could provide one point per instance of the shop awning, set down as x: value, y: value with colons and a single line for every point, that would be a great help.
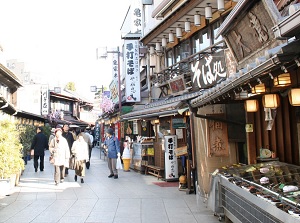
x: 6, y: 106
x: 154, y: 112
x: 163, y: 107
x: 273, y: 59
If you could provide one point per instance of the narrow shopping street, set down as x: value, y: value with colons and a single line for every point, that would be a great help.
x: 132, y: 198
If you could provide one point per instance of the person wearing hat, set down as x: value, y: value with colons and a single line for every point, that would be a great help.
x: 59, y: 149
x: 112, y: 145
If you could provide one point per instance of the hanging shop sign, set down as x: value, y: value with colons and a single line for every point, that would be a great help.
x: 251, y: 32
x: 217, y: 137
x: 177, y: 85
x: 45, y: 100
x: 178, y: 123
x: 208, y: 71
x: 113, y: 87
x: 97, y: 131
x: 132, y: 71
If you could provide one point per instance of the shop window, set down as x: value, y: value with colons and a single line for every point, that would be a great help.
x: 182, y: 51
x: 201, y: 40
x: 204, y: 39
x: 215, y: 28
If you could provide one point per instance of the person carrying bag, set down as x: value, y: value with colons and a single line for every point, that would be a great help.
x: 80, y: 152
x: 59, y: 150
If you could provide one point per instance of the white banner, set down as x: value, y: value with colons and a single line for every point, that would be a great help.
x: 45, y: 100
x: 171, y: 164
x: 115, y: 67
x: 132, y: 71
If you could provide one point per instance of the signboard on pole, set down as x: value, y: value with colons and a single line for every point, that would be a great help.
x: 132, y: 71
x: 171, y: 164
x: 45, y: 100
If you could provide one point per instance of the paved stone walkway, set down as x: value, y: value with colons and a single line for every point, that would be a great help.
x: 133, y: 198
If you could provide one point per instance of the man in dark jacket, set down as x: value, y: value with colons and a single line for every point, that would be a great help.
x: 39, y: 145
x: 112, y: 145
x: 70, y: 139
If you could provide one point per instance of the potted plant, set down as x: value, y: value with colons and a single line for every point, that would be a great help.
x: 11, y: 162
x: 26, y: 134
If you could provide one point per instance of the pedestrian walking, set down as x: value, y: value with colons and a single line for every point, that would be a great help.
x: 70, y: 139
x: 90, y: 145
x: 87, y: 139
x: 112, y: 145
x: 39, y: 145
x: 52, y: 135
x: 81, y: 152
x: 59, y: 149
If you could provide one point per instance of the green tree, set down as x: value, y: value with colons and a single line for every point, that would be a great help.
x: 70, y: 86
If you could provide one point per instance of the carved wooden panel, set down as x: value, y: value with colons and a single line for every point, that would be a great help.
x: 217, y: 137
x: 251, y: 33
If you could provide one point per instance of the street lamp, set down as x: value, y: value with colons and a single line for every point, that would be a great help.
x: 103, y: 55
x: 96, y: 89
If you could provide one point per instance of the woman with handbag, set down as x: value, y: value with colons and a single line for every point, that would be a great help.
x: 60, y: 152
x: 80, y: 150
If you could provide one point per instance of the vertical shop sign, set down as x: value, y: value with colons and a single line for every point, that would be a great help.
x: 132, y: 71
x: 217, y: 137
x: 171, y: 165
x: 115, y: 67
x: 45, y: 100
x: 114, y: 92
x: 97, y: 132
x: 136, y: 25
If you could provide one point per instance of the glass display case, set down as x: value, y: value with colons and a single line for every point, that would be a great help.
x: 142, y: 154
x: 263, y: 192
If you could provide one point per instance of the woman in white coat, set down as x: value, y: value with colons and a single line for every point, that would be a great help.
x: 59, y: 149
x: 80, y: 150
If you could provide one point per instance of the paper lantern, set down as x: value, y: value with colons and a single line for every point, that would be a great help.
x: 271, y: 101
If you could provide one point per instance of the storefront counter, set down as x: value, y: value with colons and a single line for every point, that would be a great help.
x: 263, y: 192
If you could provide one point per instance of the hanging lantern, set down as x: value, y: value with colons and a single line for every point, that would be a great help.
x: 197, y: 19
x: 258, y: 89
x: 157, y: 47
x: 241, y: 95
x: 152, y: 50
x: 171, y: 37
x: 208, y: 11
x: 178, y: 32
x: 282, y: 80
x: 164, y: 42
x: 221, y: 5
x: 294, y: 96
x: 251, y: 105
x: 187, y: 25
x: 271, y: 101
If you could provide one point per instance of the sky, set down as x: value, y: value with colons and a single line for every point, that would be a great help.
x: 57, y: 39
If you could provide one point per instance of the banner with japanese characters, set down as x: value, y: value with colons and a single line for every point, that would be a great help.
x: 208, y: 71
x: 132, y: 71
x: 45, y: 100
x: 171, y: 164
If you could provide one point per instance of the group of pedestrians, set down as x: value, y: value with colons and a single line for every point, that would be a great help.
x: 63, y: 144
